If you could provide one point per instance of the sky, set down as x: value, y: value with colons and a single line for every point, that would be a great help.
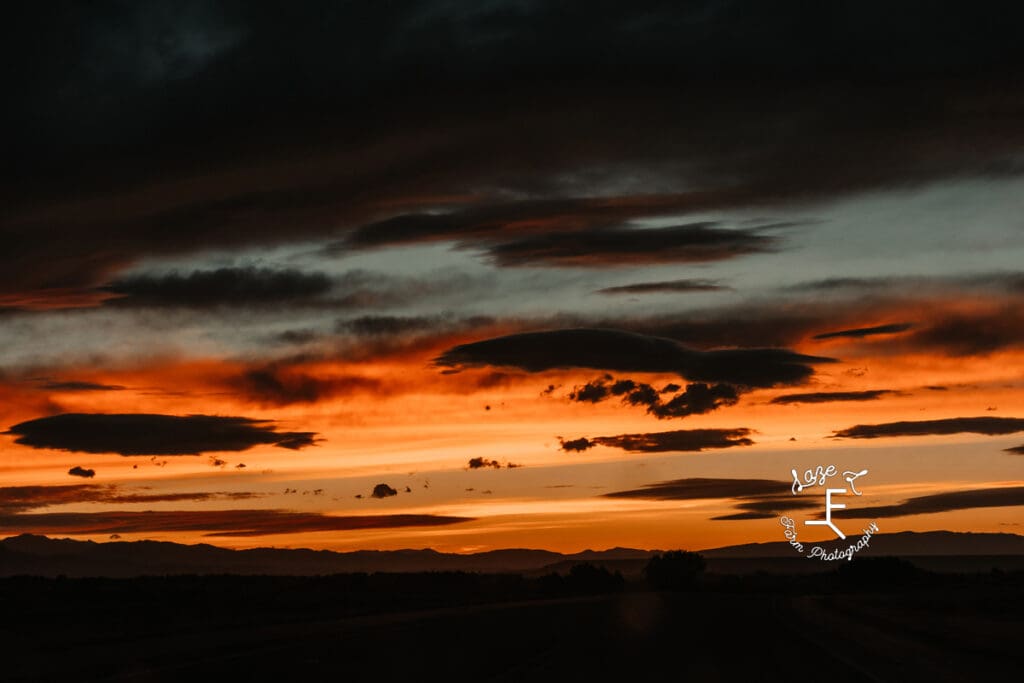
x: 481, y: 275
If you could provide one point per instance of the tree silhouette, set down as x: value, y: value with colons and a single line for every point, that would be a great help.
x: 674, y: 570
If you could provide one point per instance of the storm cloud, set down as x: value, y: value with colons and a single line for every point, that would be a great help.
x: 148, y: 434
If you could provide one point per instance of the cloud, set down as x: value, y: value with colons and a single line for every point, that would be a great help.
x: 991, y: 426
x: 395, y: 325
x: 79, y: 386
x: 617, y: 350
x: 660, y: 442
x: 222, y: 287
x: 974, y: 332
x: 690, y: 243
x: 129, y: 141
x: 697, y: 488
x: 224, y: 523
x: 755, y: 498
x: 146, y: 434
x: 77, y: 471
x: 767, y: 507
x: 383, y: 491
x: 832, y: 396
x: 17, y: 499
x: 1016, y: 450
x: 479, y: 463
x: 696, y: 399
x: 945, y: 502
x: 389, y: 325
x: 667, y: 286
x: 277, y: 384
x: 577, y: 445
x: 861, y: 332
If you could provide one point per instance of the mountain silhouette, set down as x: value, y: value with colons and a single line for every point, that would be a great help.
x: 30, y: 554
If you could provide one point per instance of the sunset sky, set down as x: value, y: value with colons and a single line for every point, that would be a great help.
x: 557, y: 276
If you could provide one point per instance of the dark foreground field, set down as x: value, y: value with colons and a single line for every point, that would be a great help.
x: 468, y: 627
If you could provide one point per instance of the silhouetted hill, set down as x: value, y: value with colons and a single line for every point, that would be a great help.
x: 902, y: 544
x: 41, y: 556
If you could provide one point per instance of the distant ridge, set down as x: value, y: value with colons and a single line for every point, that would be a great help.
x: 903, y: 544
x: 39, y: 555
x: 29, y: 554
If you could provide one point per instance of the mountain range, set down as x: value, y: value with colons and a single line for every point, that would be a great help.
x: 29, y: 554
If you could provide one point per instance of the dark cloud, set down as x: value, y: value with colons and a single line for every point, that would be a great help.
x: 839, y: 283
x: 972, y: 333
x: 393, y: 325
x: 991, y: 426
x: 114, y: 161
x: 861, y: 332
x: 591, y: 392
x: 832, y: 396
x: 237, y: 523
x: 77, y: 471
x: 492, y: 221
x: 607, y: 349
x: 373, y: 325
x: 945, y: 502
x: 279, y: 385
x: 145, y: 434
x: 692, y: 243
x: 578, y: 445
x: 1016, y: 450
x: 988, y: 426
x: 780, y: 324
x: 696, y: 488
x: 78, y: 386
x: 16, y: 499
x: 222, y: 287
x: 696, y: 399
x: 659, y: 442
x: 755, y: 498
x: 383, y: 491
x: 767, y: 507
x: 661, y: 287
x: 479, y: 463
x: 297, y: 337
